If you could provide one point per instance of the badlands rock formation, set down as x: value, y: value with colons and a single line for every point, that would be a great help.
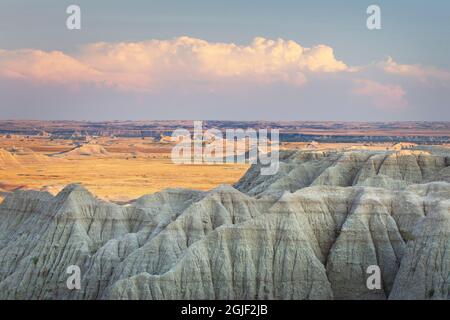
x: 85, y: 150
x: 309, y: 232
x: 16, y: 157
x: 7, y: 159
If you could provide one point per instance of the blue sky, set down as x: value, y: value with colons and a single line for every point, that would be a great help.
x: 414, y: 33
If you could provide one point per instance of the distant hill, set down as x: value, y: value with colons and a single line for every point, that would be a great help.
x: 301, y: 131
x: 85, y: 150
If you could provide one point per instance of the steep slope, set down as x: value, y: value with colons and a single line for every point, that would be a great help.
x: 390, y: 170
x: 309, y: 232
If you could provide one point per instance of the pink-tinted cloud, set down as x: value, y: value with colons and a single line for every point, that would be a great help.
x: 387, y: 97
x: 417, y: 71
x: 194, y: 66
x: 45, y: 67
x: 150, y: 65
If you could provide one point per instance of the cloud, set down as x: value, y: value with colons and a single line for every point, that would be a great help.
x: 417, y: 71
x: 387, y: 97
x: 45, y: 67
x: 155, y: 64
x: 197, y: 73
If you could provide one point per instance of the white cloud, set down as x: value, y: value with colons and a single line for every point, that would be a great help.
x: 422, y: 73
x: 154, y: 64
x: 190, y: 65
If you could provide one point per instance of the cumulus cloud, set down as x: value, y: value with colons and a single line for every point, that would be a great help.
x: 185, y: 66
x: 154, y: 64
x: 387, y: 97
x: 422, y: 73
x: 45, y: 67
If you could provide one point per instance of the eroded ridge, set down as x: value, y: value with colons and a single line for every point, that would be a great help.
x: 309, y: 232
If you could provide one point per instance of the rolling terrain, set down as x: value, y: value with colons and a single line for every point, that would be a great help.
x: 118, y: 170
x: 308, y: 232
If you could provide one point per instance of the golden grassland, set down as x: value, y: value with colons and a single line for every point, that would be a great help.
x: 120, y: 179
x: 119, y: 169
x: 120, y: 176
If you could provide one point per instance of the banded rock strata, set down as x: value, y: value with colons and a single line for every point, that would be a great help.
x: 309, y: 232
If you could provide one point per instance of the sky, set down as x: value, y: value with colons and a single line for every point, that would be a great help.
x: 225, y: 60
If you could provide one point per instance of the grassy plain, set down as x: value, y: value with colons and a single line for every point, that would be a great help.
x: 121, y: 169
x: 129, y: 169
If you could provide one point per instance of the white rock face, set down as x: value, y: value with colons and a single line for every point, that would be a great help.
x: 309, y: 232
